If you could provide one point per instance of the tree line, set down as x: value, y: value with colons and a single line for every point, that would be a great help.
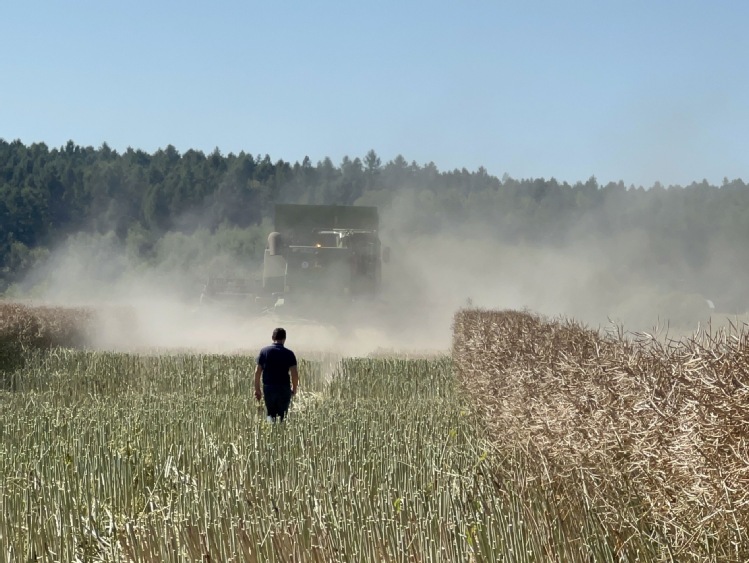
x: 49, y: 194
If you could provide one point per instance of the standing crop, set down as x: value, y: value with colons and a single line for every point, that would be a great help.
x: 651, y: 435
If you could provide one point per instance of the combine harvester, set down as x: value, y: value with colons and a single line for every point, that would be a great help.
x: 322, y: 265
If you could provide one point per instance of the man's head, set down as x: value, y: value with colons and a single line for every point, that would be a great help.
x: 279, y: 335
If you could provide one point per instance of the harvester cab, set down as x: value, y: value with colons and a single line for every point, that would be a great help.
x: 323, y: 254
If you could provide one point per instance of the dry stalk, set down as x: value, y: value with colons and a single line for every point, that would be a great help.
x: 665, y: 422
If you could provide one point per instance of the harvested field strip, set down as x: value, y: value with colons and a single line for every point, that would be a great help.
x: 116, y: 457
x: 640, y: 429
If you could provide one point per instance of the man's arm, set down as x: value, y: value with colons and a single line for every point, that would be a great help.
x: 258, y: 373
x: 294, y: 378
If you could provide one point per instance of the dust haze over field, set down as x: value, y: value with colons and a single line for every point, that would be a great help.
x: 596, y: 279
x: 428, y: 278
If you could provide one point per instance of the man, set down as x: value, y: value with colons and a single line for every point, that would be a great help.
x: 275, y: 363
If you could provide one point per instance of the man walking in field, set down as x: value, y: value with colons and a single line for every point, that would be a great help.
x: 280, y: 377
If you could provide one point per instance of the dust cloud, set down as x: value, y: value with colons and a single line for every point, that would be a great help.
x: 606, y: 281
x: 428, y: 278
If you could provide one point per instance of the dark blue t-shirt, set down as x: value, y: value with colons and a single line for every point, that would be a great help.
x: 276, y: 360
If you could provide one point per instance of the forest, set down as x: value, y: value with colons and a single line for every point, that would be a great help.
x: 179, y: 206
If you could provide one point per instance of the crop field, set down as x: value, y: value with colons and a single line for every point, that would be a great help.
x: 652, y: 433
x: 535, y: 440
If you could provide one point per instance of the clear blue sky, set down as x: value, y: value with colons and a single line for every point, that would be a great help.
x: 627, y: 90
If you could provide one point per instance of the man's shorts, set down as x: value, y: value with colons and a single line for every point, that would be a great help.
x: 277, y: 400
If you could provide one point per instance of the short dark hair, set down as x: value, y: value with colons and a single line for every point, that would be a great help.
x: 279, y: 334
